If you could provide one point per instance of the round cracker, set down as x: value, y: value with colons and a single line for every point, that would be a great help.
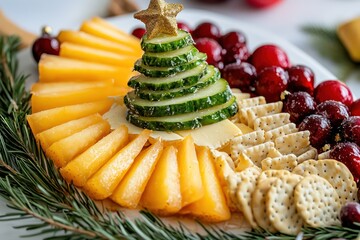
x: 246, y: 186
x: 258, y: 204
x: 335, y: 172
x: 317, y: 202
x: 280, y: 205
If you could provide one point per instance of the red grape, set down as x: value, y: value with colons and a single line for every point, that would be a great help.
x: 301, y: 78
x: 138, y: 32
x: 262, y: 3
x: 240, y: 75
x: 271, y: 82
x: 319, y: 128
x: 355, y: 108
x: 211, y: 47
x: 269, y: 55
x: 350, y: 214
x: 335, y: 111
x: 207, y: 30
x: 231, y: 39
x: 45, y: 44
x: 299, y: 105
x: 333, y: 90
x: 350, y: 129
x: 349, y: 154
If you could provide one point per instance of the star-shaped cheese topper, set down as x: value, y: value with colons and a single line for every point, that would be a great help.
x: 160, y: 17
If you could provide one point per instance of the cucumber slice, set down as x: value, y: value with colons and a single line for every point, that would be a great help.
x: 215, y: 94
x: 187, y: 121
x: 167, y: 43
x: 186, y: 78
x: 170, y: 59
x: 212, y: 75
x: 168, y: 71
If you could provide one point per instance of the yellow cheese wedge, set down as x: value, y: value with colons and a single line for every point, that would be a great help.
x: 214, y: 135
x: 349, y: 34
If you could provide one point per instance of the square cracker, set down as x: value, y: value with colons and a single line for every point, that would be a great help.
x: 317, y: 202
x: 324, y: 155
x: 249, y: 114
x: 272, y: 134
x: 243, y: 162
x: 285, y: 162
x: 273, y: 153
x: 311, y: 153
x: 270, y: 122
x: 293, y: 143
x: 335, y: 172
x: 258, y: 152
x: 251, y: 102
x: 239, y: 143
x: 280, y: 206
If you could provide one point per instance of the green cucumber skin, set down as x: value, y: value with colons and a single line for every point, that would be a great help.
x: 158, y: 96
x: 170, y: 62
x: 170, y: 71
x: 181, y: 108
x: 166, y: 86
x: 187, y: 125
x: 166, y: 47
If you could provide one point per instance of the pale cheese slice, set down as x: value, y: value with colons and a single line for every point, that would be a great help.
x: 244, y: 128
x: 215, y: 135
x: 116, y: 116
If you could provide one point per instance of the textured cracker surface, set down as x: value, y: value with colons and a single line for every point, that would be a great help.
x: 293, y: 143
x: 335, y: 172
x: 258, y: 152
x: 280, y: 205
x: 244, y: 191
x: 238, y: 144
x: 317, y: 202
x: 258, y: 204
x: 285, y: 162
x: 270, y: 122
x: 271, y: 135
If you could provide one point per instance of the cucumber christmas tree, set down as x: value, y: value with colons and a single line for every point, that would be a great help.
x: 177, y: 89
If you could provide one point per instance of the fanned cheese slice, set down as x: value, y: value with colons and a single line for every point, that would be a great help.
x: 117, y: 116
x: 214, y: 135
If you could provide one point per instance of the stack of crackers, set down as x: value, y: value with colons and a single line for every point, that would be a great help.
x: 269, y: 173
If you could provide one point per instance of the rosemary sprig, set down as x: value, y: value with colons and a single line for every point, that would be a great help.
x: 329, y: 45
x: 33, y: 188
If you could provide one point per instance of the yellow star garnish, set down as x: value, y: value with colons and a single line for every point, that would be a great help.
x: 160, y: 17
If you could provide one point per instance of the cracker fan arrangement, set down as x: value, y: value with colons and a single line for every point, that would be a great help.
x: 203, y: 128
